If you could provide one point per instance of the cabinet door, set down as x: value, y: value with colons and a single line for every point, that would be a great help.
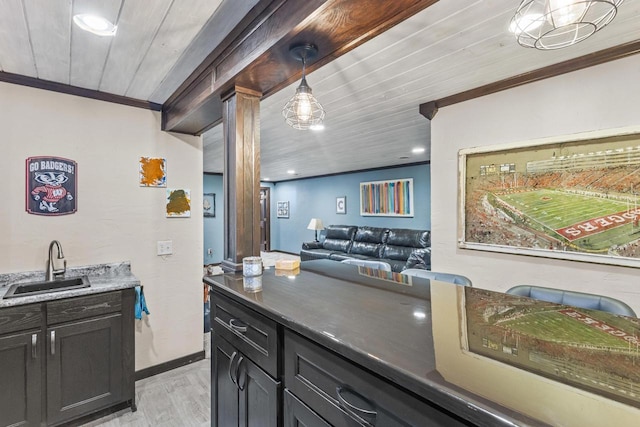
x: 20, y: 379
x: 298, y: 414
x: 84, y: 367
x: 224, y: 392
x: 259, y: 395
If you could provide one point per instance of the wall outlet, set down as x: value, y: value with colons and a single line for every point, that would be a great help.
x: 209, y: 251
x: 165, y: 247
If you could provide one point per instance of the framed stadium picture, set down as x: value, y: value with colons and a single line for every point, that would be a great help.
x: 573, y: 198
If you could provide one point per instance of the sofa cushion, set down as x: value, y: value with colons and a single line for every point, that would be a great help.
x: 419, y: 258
x: 338, y: 238
x: 371, y: 235
x: 368, y: 249
x: 401, y: 242
x: 309, y: 254
x: 339, y: 256
x: 407, y: 237
x: 397, y: 252
x: 337, y: 245
x: 342, y: 232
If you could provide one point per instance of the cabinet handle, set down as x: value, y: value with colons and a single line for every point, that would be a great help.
x: 233, y: 356
x: 238, y: 328
x: 368, y: 415
x: 53, y: 343
x: 240, y: 387
x: 34, y: 346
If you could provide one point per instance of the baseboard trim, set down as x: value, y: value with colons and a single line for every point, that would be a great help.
x: 167, y: 366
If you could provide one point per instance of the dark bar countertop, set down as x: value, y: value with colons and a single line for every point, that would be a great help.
x: 381, y: 321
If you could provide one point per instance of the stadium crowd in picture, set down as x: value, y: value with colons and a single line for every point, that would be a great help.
x: 569, y: 197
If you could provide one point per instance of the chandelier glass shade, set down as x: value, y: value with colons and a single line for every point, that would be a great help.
x: 303, y: 111
x: 554, y: 24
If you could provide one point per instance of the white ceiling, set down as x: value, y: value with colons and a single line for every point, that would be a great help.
x: 157, y: 46
x: 371, y: 94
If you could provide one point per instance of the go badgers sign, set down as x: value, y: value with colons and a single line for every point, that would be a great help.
x: 51, y: 186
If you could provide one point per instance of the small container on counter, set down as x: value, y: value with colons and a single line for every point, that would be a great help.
x: 251, y: 266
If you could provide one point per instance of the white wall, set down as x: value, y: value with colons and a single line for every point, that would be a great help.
x: 116, y: 220
x: 601, y: 97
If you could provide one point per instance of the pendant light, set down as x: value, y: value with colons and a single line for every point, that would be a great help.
x: 554, y: 24
x: 303, y: 111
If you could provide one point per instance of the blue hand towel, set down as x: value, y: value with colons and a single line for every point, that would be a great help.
x: 141, y: 304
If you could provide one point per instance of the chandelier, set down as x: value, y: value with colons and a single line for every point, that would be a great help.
x: 554, y: 24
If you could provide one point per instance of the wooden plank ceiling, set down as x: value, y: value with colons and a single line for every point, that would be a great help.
x: 371, y: 94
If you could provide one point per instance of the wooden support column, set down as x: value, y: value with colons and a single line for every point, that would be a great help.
x: 241, y: 181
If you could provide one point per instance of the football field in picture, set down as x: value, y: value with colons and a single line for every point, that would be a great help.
x: 589, y: 222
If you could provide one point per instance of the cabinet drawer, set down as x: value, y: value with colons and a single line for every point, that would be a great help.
x: 20, y: 318
x: 346, y: 395
x: 250, y: 332
x: 70, y: 309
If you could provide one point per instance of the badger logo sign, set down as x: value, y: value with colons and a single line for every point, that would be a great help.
x: 51, y: 186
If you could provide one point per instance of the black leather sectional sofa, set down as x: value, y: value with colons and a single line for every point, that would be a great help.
x: 400, y: 247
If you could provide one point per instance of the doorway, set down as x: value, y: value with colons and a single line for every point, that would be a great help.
x: 265, y: 219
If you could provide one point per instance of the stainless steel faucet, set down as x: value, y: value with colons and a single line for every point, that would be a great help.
x: 52, y: 273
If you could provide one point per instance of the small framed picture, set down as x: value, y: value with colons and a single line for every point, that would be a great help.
x: 209, y: 204
x: 341, y: 205
x: 283, y: 210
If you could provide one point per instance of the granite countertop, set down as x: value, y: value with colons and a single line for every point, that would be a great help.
x: 102, y: 278
x: 376, y: 322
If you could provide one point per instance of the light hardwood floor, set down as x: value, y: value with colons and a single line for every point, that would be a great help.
x: 177, y: 398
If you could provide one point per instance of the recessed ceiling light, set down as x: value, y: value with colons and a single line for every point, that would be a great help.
x: 291, y: 171
x: 265, y: 179
x: 95, y: 24
x: 418, y: 150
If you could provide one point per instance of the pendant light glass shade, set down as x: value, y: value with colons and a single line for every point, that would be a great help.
x: 303, y: 111
x: 554, y: 24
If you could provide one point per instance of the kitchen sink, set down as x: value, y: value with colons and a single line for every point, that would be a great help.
x: 35, y: 288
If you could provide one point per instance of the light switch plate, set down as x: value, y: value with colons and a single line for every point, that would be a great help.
x: 165, y: 247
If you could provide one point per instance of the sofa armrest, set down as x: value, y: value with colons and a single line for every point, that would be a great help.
x: 312, y: 245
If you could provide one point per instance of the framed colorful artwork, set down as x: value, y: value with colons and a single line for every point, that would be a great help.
x: 387, y: 198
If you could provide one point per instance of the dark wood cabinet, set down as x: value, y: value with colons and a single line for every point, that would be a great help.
x: 72, y: 357
x: 20, y: 379
x: 243, y: 394
x: 84, y: 367
x: 245, y: 365
x: 261, y: 366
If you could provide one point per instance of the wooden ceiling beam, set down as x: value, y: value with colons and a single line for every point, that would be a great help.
x: 579, y: 63
x: 256, y: 54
